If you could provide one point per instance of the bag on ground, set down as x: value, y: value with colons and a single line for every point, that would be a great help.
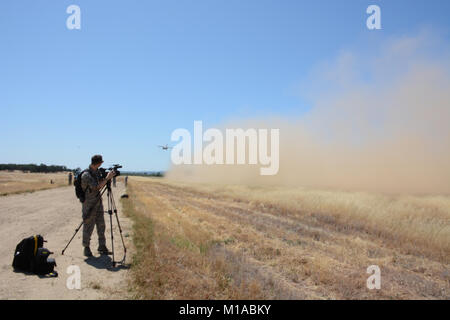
x: 31, y: 256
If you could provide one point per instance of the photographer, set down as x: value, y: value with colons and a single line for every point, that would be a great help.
x: 92, y: 208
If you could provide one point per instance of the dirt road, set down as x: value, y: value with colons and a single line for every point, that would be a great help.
x: 55, y: 214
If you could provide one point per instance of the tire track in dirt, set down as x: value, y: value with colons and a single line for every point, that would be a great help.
x: 266, y: 225
x: 244, y: 267
x: 334, y: 244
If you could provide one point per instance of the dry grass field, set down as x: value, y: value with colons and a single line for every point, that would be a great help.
x: 201, y: 241
x: 12, y: 182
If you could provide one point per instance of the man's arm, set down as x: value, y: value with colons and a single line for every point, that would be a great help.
x: 103, y: 182
x: 87, y: 181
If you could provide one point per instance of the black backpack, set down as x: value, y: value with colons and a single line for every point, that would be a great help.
x: 42, y: 264
x: 78, y: 189
x: 25, y: 251
x: 30, y: 256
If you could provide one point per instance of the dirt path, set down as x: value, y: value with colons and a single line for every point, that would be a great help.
x: 56, y: 214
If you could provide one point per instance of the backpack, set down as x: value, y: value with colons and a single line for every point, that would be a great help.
x: 79, y: 192
x: 25, y: 252
x: 30, y: 256
x: 42, y: 264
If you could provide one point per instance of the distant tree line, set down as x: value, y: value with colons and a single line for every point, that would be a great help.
x: 33, y: 167
x: 54, y: 168
x: 143, y: 174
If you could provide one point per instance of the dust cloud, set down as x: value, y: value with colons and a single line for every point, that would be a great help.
x: 378, y: 121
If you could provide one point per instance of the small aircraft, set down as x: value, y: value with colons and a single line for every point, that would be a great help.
x: 166, y: 147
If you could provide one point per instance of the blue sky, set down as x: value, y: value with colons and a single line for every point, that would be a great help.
x: 137, y: 70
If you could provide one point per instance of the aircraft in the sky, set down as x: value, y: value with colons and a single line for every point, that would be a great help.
x: 166, y: 147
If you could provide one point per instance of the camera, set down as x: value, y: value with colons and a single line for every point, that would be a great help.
x: 104, y: 172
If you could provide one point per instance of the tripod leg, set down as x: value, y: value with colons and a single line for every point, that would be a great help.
x: 76, y: 231
x: 110, y: 212
x: 120, y: 228
x: 118, y: 223
x: 112, y: 240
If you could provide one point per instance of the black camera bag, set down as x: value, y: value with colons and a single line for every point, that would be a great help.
x: 30, y: 256
x: 25, y: 253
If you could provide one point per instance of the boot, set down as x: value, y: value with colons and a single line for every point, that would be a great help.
x: 87, y: 252
x: 104, y: 250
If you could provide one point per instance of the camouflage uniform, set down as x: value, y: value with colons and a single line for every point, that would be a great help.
x: 92, y: 208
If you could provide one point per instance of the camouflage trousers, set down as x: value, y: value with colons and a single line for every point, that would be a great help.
x: 95, y: 218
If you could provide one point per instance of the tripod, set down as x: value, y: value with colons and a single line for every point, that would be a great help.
x: 112, y: 209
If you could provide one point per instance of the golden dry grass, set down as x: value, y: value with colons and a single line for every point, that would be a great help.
x: 225, y: 242
x: 18, y: 182
x: 420, y: 223
x: 170, y: 264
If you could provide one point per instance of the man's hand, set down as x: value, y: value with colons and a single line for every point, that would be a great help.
x: 102, y: 183
x: 110, y: 175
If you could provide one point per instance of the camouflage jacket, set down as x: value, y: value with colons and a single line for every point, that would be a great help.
x: 90, y: 180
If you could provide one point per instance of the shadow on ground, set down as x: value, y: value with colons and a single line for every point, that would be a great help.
x: 42, y: 276
x: 105, y: 262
